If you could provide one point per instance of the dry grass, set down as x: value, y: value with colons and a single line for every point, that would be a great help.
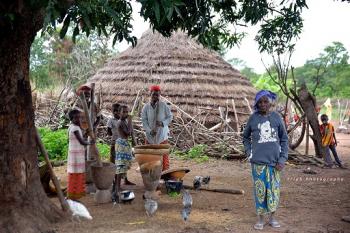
x: 190, y: 76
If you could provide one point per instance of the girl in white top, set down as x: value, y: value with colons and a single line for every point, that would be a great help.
x: 76, y: 157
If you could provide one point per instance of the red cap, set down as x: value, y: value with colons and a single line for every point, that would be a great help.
x: 155, y: 88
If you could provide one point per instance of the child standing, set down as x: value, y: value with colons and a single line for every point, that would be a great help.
x: 76, y: 157
x: 112, y: 129
x: 329, y: 141
x: 265, y: 140
x: 122, y: 148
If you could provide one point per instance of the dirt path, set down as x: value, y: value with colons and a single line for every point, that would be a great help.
x: 309, y: 203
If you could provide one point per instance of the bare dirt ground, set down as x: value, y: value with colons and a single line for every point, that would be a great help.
x: 309, y: 203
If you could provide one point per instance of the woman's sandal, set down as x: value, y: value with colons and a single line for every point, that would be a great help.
x: 273, y: 223
x: 259, y: 226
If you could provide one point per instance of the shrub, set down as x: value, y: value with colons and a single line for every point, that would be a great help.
x: 56, y: 144
x: 196, y: 153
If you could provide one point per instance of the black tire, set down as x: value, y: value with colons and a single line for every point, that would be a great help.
x: 294, y: 142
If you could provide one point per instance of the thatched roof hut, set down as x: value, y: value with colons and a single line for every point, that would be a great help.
x: 192, y: 77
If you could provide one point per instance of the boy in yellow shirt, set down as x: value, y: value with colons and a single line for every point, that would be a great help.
x: 329, y: 141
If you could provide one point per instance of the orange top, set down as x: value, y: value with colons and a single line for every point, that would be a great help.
x: 327, y: 132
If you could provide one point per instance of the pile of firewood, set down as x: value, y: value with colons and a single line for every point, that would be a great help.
x: 184, y: 134
x: 185, y: 130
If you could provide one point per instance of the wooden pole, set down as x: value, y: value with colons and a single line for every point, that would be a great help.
x: 250, y: 109
x: 64, y: 203
x: 90, y: 149
x: 235, y: 112
x: 91, y: 131
x: 307, y: 137
x: 92, y: 103
x: 222, y: 118
x: 230, y: 191
x: 185, y: 113
x: 135, y: 102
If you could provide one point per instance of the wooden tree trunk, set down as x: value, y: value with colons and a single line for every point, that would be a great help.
x: 24, y: 205
x: 308, y: 103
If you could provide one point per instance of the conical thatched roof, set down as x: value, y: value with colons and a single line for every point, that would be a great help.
x: 190, y: 76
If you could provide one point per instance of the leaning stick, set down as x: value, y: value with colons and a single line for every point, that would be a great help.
x: 182, y: 111
x: 246, y: 100
x: 91, y: 117
x: 91, y: 131
x: 54, y: 179
x: 230, y: 191
x: 235, y: 112
x: 135, y: 102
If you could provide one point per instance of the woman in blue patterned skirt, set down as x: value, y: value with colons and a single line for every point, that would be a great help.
x: 266, y: 143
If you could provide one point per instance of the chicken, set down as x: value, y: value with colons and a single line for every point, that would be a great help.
x: 199, y: 181
x: 206, y: 180
x: 78, y: 210
x: 187, y: 203
x: 151, y: 206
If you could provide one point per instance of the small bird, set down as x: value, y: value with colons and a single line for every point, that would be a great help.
x: 151, y: 207
x: 206, y: 180
x: 187, y: 203
x: 78, y: 210
x: 199, y: 181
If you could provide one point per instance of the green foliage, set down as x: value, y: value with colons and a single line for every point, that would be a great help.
x: 196, y: 153
x: 104, y: 150
x: 212, y: 21
x: 329, y: 72
x: 56, y: 144
x: 174, y: 194
x: 40, y: 59
x: 60, y: 62
x: 104, y: 17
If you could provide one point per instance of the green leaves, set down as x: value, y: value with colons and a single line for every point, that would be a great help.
x: 278, y: 34
x: 214, y: 22
x: 87, y: 16
x: 196, y: 153
x: 329, y: 72
x: 56, y: 144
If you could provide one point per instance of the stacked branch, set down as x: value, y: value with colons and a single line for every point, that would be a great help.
x: 186, y: 131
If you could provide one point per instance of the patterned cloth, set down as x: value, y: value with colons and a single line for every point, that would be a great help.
x: 123, y: 156
x: 76, y: 185
x: 76, y: 151
x: 327, y: 132
x: 266, y: 188
x: 166, y: 163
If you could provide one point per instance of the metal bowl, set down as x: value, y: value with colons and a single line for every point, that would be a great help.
x: 127, y: 195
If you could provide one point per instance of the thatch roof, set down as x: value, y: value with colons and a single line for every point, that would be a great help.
x: 190, y: 76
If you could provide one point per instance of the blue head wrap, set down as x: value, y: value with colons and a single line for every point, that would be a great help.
x: 269, y: 94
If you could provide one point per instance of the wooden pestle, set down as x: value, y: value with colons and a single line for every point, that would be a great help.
x: 90, y: 131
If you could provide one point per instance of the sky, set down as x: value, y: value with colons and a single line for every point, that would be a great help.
x: 324, y: 22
